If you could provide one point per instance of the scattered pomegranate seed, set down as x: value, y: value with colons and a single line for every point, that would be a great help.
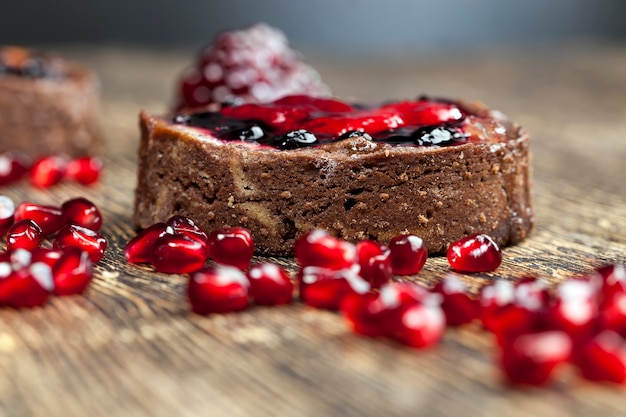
x: 611, y: 279
x: 269, y: 284
x: 7, y: 211
x: 475, y: 253
x: 85, y: 170
x: 26, y: 287
x: 48, y: 218
x: 177, y: 254
x: 408, y: 254
x: 364, y: 313
x: 603, y: 358
x: 231, y: 246
x: 457, y: 305
x: 218, y: 289
x: 48, y: 171
x: 45, y: 255
x: 13, y: 166
x: 85, y: 239
x: 139, y: 249
x: 25, y: 234
x: 318, y: 248
x: 531, y: 358
x: 419, y: 325
x: 575, y: 310
x: 82, y: 212
x: 325, y: 288
x: 186, y: 226
x: 374, y: 262
x: 72, y: 272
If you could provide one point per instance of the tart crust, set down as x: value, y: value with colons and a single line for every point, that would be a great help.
x: 354, y: 188
x: 51, y: 115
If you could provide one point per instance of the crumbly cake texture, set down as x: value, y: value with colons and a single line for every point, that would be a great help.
x: 354, y: 188
x: 51, y: 115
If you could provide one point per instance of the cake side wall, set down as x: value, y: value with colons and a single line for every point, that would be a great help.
x: 439, y: 195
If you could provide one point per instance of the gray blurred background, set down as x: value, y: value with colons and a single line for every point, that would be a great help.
x: 328, y: 25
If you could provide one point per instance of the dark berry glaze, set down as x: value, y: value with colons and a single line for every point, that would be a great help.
x: 20, y: 62
x: 303, y: 121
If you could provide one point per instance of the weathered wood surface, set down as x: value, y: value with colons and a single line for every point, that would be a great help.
x: 129, y: 346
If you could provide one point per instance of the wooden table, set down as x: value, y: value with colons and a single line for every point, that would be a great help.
x: 130, y: 347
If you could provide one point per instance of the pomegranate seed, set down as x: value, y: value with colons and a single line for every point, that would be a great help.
x: 270, y: 284
x: 218, y: 289
x: 374, y: 262
x: 13, y: 166
x: 613, y: 314
x: 72, y: 273
x: 7, y: 211
x: 49, y: 218
x: 20, y: 258
x: 45, y: 255
x: 408, y: 254
x: 611, y: 279
x: 186, y: 226
x: 85, y: 170
x: 139, y: 249
x: 27, y: 287
x: 419, y: 325
x: 364, y: 313
x: 177, y: 254
x: 603, y: 358
x: 532, y: 293
x: 82, y: 238
x: 318, y: 248
x: 48, y: 171
x: 531, y: 358
x: 25, y: 234
x: 325, y: 288
x: 501, y: 315
x: 475, y: 253
x: 575, y: 310
x: 82, y: 212
x: 231, y: 246
x: 457, y: 305
x: 398, y: 294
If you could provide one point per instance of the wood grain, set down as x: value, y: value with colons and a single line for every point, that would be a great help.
x: 129, y: 346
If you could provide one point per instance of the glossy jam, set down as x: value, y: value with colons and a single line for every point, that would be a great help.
x: 301, y: 121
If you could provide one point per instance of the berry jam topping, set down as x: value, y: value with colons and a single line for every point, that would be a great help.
x: 250, y: 66
x: 22, y: 63
x: 301, y: 121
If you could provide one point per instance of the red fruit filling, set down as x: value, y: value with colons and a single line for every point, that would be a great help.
x: 251, y: 65
x: 232, y: 246
x: 269, y: 284
x: 475, y: 253
x: 408, y: 254
x: 300, y: 121
x: 218, y: 289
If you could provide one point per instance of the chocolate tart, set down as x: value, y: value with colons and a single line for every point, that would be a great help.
x: 48, y: 105
x: 438, y: 169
